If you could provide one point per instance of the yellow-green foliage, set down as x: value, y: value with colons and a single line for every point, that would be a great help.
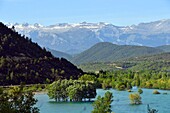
x: 135, y: 98
x: 15, y: 100
x: 103, y: 104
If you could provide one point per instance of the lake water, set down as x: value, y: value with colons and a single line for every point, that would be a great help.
x: 119, y: 105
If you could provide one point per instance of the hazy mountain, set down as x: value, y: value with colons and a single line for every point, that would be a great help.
x: 108, y: 52
x: 75, y: 38
x: 60, y: 54
x: 166, y: 48
x: 22, y: 61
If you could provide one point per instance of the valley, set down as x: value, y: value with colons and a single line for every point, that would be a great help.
x: 84, y: 56
x: 76, y: 78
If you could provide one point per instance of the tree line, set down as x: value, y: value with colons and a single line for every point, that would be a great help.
x: 126, y: 79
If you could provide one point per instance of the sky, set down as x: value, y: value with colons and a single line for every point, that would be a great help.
x: 117, y: 12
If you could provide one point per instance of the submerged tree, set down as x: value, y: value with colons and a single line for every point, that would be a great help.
x: 151, y: 110
x: 135, y: 98
x: 73, y: 90
x: 103, y: 104
x: 140, y: 91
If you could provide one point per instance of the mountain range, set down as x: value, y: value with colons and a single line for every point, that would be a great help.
x: 75, y: 38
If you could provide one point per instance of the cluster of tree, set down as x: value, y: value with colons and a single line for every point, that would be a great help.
x: 103, y: 104
x: 17, y: 101
x: 125, y: 79
x: 23, y: 61
x: 71, y: 90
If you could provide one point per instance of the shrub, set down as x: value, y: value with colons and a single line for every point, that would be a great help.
x: 156, y: 92
x: 140, y: 91
x: 129, y: 90
x: 135, y: 98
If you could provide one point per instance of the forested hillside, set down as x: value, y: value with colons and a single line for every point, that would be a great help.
x: 157, y: 62
x: 22, y: 61
x: 108, y: 52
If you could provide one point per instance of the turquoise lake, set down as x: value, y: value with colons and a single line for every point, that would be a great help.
x: 120, y: 104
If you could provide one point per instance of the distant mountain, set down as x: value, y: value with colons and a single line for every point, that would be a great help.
x: 22, y: 61
x: 108, y: 52
x: 60, y: 54
x: 75, y: 38
x: 165, y: 48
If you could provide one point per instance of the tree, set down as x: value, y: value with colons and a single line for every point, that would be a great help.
x: 151, y: 110
x: 13, y: 28
x: 135, y: 98
x: 54, y: 90
x: 17, y: 101
x: 103, y: 104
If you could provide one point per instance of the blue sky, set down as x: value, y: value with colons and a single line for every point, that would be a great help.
x: 117, y: 12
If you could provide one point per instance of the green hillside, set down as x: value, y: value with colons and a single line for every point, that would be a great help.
x: 152, y: 58
x: 158, y: 62
x: 22, y: 61
x: 165, y: 48
x: 108, y: 52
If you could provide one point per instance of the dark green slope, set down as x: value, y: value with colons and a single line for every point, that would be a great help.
x: 22, y: 61
x: 108, y: 52
x: 159, y: 62
x: 165, y: 48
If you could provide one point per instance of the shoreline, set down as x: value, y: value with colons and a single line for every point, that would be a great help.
x: 39, y: 92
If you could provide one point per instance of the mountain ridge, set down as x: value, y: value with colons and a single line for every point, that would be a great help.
x: 108, y: 52
x: 75, y: 38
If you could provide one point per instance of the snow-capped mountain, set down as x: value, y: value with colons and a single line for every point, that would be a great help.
x: 75, y: 38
